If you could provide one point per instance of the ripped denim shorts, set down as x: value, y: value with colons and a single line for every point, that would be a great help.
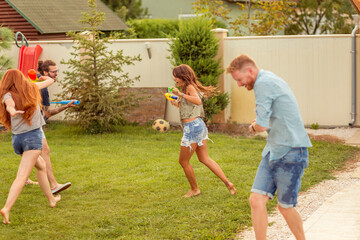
x: 282, y: 175
x: 194, y: 132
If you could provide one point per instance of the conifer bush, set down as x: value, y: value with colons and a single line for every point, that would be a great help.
x: 95, y: 77
x: 6, y: 38
x: 196, y: 45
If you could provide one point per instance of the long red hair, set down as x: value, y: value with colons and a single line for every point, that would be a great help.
x: 26, y: 96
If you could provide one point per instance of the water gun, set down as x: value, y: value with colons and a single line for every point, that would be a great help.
x: 32, y: 75
x: 171, y: 97
x: 76, y: 102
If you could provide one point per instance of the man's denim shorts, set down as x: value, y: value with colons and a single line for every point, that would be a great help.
x: 31, y: 140
x: 194, y: 132
x: 283, y: 175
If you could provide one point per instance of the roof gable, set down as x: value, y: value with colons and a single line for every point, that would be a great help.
x: 60, y: 16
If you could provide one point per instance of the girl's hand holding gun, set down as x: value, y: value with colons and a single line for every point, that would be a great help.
x: 172, y: 97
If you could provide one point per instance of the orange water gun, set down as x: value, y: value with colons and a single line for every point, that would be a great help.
x: 32, y: 75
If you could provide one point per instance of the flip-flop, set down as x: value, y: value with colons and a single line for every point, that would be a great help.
x: 30, y: 182
x: 60, y: 187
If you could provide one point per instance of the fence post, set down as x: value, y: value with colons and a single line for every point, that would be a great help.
x: 221, y: 34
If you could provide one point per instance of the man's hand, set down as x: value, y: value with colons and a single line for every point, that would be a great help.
x: 70, y: 104
x: 256, y: 128
x: 252, y: 128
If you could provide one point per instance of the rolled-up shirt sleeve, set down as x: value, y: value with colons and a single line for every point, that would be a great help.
x: 263, y: 114
x: 264, y: 96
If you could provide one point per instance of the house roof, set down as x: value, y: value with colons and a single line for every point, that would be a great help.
x: 59, y: 16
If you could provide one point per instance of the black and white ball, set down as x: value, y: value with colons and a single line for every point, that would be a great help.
x: 161, y: 125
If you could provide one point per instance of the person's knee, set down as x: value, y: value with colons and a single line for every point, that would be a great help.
x: 182, y: 162
x: 257, y: 201
x: 284, y: 211
x: 40, y: 164
x: 22, y: 178
x: 204, y: 160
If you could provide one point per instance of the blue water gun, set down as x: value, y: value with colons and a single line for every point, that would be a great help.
x: 171, y: 97
x: 76, y: 102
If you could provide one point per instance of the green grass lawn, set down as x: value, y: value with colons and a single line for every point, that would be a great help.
x: 129, y: 185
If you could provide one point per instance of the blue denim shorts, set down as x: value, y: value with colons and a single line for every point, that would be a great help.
x: 194, y: 132
x: 31, y: 140
x: 283, y: 175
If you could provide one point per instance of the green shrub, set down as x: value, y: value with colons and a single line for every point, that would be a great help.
x: 196, y: 45
x: 158, y: 28
x: 315, y: 126
x: 154, y: 28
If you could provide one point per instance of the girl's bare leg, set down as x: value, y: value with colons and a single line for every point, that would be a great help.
x: 204, y: 158
x: 184, y: 160
x: 44, y: 182
x: 27, y: 163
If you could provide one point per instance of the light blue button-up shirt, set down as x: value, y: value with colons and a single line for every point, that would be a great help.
x: 277, y: 109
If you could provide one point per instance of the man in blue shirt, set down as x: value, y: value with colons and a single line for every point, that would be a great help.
x: 285, y: 155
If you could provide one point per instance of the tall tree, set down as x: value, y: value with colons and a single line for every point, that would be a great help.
x: 257, y: 17
x: 95, y: 76
x: 127, y: 9
x: 212, y: 9
x: 321, y: 17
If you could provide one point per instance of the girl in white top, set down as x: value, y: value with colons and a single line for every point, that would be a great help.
x: 20, y: 112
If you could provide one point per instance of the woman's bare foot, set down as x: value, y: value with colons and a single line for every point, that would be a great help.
x: 192, y: 193
x: 5, y: 215
x: 231, y: 188
x: 53, y: 203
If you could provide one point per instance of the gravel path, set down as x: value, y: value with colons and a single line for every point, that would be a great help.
x: 342, y: 133
x: 311, y: 200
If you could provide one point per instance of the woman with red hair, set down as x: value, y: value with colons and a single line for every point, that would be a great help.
x: 20, y: 112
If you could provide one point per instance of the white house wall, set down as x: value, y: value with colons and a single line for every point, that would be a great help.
x: 317, y: 68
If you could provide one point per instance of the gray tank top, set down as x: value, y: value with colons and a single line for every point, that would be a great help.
x: 19, y: 125
x: 190, y: 110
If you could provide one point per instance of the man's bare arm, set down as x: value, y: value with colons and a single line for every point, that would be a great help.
x: 51, y: 112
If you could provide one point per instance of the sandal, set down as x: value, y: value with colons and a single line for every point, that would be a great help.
x: 30, y: 182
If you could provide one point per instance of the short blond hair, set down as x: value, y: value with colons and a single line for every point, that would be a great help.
x: 239, y: 62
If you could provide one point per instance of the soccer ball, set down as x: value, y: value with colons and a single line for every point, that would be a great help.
x: 161, y: 125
